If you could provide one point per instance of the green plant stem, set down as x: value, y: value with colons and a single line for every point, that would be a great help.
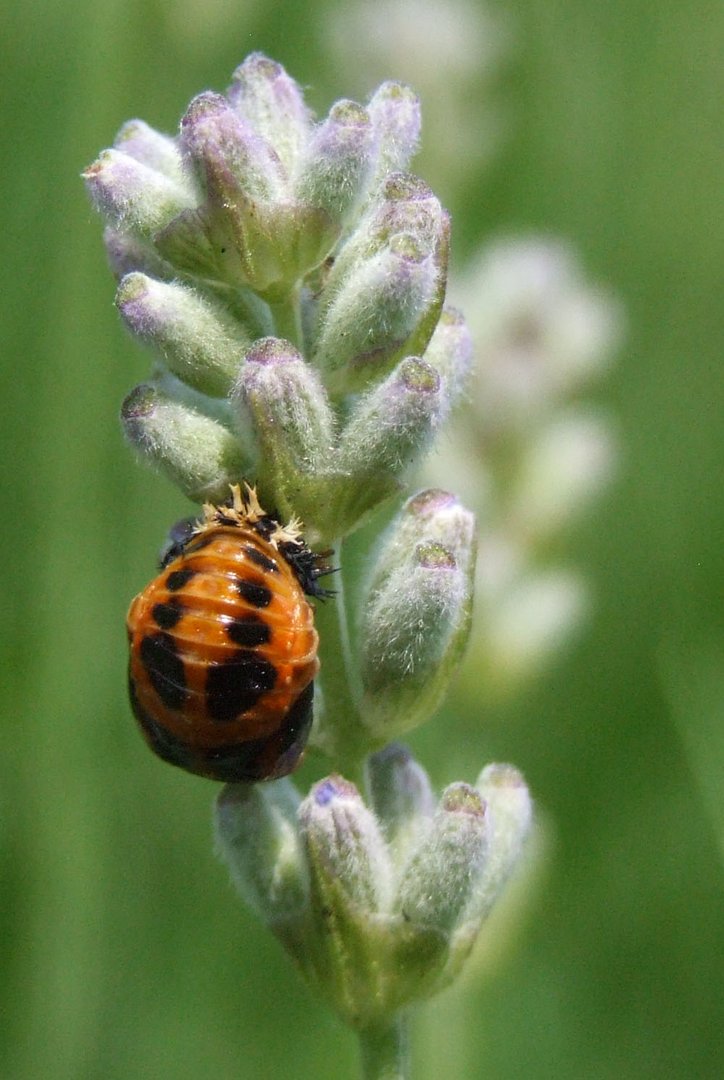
x: 287, y: 318
x: 385, y: 1051
x: 341, y: 734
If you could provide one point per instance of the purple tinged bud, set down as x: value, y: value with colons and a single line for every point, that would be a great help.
x: 272, y: 102
x: 395, y: 112
x: 345, y: 848
x: 199, y: 341
x: 133, y: 196
x: 450, y: 352
x: 198, y: 454
x: 231, y: 159
x: 337, y: 161
x: 405, y: 204
x: 393, y: 423
x: 160, y: 152
x: 441, y: 518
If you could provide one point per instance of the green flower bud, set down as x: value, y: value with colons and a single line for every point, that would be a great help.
x: 432, y: 513
x: 509, y: 818
x: 395, y: 112
x: 257, y: 836
x: 372, y: 319
x: 365, y: 960
x: 511, y: 813
x: 401, y: 797
x: 160, y: 152
x: 390, y: 429
x: 272, y: 102
x: 450, y: 352
x: 287, y: 405
x: 404, y: 204
x: 416, y: 618
x: 337, y: 162
x: 198, y: 339
x: 199, y: 454
x: 442, y: 873
x: 168, y: 385
x: 346, y: 851
x: 133, y: 196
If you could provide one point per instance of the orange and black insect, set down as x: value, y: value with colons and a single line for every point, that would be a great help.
x: 223, y: 649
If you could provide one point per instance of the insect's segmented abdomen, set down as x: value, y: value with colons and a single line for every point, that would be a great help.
x: 223, y: 654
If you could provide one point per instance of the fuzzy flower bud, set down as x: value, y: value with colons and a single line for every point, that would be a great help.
x: 395, y: 113
x: 272, y: 102
x: 400, y: 795
x: 287, y: 406
x: 371, y: 321
x: 337, y: 162
x: 198, y: 453
x: 366, y: 960
x: 416, y: 617
x: 142, y: 142
x: 257, y: 835
x: 450, y: 352
x: 509, y: 814
x: 403, y: 204
x: 389, y: 430
x: 228, y: 156
x: 344, y: 845
x: 132, y: 195
x: 432, y: 513
x: 200, y: 342
x: 444, y: 871
x: 511, y: 809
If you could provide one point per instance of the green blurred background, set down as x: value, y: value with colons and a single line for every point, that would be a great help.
x: 124, y: 952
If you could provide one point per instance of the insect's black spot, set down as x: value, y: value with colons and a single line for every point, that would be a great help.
x: 261, y: 559
x: 282, y: 752
x: 234, y: 687
x: 167, y: 615
x: 267, y: 758
x: 165, y: 669
x: 254, y: 592
x: 250, y: 631
x: 299, y: 718
x: 162, y: 742
x: 178, y: 578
